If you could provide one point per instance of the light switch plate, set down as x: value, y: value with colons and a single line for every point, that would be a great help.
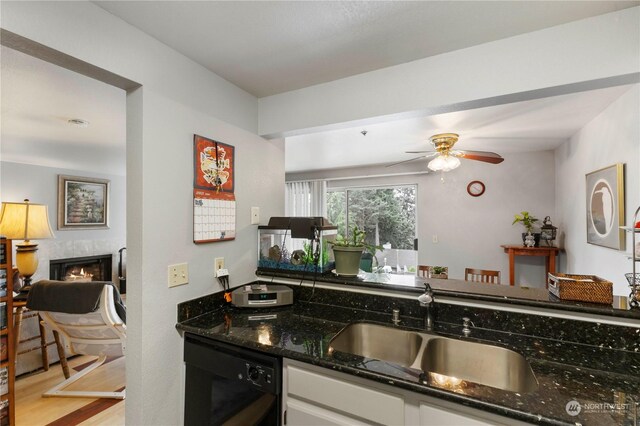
x: 178, y: 274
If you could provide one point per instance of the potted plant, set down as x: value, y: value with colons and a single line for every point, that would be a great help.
x: 528, y: 222
x: 348, y: 251
x: 439, y: 272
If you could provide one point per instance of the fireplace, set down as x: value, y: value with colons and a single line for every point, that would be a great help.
x: 88, y: 268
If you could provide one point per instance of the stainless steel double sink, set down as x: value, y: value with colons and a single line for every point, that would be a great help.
x: 479, y: 363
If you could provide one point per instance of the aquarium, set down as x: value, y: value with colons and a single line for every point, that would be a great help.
x: 291, y: 244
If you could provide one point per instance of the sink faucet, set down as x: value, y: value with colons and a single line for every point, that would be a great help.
x: 426, y: 301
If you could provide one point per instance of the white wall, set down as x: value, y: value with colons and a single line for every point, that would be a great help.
x: 178, y: 98
x: 40, y: 185
x: 611, y: 137
x: 470, y: 230
x: 527, y: 66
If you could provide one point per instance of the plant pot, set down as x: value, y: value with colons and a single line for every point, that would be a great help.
x: 442, y: 276
x: 536, y: 237
x: 347, y: 260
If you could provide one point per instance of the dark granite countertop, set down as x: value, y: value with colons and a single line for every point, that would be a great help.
x: 505, y: 294
x: 302, y: 332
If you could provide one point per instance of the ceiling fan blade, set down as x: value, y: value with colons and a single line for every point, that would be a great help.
x: 406, y: 161
x: 487, y: 157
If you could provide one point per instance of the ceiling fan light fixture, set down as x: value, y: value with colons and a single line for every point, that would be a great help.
x: 443, y: 163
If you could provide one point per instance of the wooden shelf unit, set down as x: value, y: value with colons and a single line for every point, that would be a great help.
x: 7, y: 333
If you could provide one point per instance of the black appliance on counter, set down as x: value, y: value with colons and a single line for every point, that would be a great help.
x: 227, y: 384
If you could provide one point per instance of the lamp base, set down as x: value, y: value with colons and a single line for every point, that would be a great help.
x: 27, y: 264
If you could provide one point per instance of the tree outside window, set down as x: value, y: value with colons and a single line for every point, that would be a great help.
x: 387, y: 214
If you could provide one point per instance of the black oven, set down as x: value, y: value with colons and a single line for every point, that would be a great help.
x: 230, y: 385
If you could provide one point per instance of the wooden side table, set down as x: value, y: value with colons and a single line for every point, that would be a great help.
x: 516, y: 250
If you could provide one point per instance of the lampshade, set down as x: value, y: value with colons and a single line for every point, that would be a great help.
x: 444, y: 163
x: 25, y: 221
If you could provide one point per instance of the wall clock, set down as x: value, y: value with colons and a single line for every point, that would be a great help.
x: 475, y: 188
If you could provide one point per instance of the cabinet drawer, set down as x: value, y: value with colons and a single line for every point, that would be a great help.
x: 347, y: 397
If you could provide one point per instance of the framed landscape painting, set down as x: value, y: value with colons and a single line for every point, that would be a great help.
x: 605, y: 207
x: 83, y: 203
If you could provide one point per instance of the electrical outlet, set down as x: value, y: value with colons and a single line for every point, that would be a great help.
x: 219, y: 263
x: 178, y: 274
x: 255, y: 215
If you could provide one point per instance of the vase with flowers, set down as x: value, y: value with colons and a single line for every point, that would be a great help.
x: 531, y: 238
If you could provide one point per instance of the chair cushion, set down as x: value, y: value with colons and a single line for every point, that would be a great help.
x: 71, y: 297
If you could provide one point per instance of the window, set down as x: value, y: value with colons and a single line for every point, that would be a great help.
x: 305, y: 198
x: 387, y: 214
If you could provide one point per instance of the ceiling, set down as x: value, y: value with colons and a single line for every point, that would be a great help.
x: 289, y: 45
x: 38, y: 98
x: 270, y: 47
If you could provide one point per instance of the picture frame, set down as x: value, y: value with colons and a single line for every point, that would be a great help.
x: 83, y: 203
x: 605, y: 205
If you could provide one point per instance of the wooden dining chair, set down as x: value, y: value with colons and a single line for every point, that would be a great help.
x: 482, y: 275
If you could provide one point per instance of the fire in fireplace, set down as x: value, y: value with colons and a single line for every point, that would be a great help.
x: 88, y: 268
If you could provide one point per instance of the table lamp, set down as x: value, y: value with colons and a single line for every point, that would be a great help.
x: 25, y: 221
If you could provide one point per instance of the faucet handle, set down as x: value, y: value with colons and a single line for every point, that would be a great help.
x: 395, y: 316
x: 427, y: 287
x: 466, y: 321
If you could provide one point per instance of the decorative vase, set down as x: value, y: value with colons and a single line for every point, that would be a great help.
x: 366, y: 262
x: 529, y: 240
x: 347, y: 260
x: 536, y: 239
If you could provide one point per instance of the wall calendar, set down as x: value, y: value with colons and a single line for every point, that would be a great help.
x: 214, y: 201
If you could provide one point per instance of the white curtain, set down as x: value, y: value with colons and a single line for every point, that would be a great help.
x: 306, y: 198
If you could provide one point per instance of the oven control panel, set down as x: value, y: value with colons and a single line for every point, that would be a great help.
x: 259, y: 375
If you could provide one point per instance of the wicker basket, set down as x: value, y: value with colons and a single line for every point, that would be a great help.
x: 582, y: 288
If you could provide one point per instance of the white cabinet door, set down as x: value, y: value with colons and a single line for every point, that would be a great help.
x: 300, y: 413
x: 316, y: 396
x: 343, y: 396
x: 433, y: 416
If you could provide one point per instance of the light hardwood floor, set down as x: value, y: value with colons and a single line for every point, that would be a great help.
x: 33, y: 410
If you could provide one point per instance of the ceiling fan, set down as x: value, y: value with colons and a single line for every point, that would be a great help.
x: 447, y: 158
